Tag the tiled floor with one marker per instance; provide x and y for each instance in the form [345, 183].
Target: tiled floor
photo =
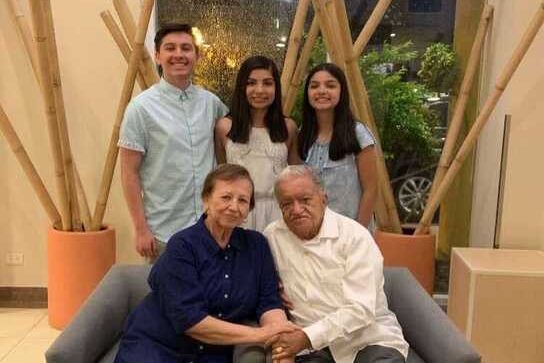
[25, 335]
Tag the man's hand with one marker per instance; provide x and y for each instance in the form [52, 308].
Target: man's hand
[286, 345]
[146, 244]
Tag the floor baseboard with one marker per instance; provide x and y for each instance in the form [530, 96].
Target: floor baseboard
[23, 297]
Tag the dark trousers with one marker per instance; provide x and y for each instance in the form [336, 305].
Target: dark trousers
[370, 354]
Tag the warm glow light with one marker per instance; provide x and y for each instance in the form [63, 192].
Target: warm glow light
[392, 35]
[230, 62]
[280, 45]
[199, 39]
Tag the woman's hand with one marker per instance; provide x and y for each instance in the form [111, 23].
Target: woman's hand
[269, 331]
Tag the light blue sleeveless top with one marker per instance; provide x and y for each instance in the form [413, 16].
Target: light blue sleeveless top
[340, 177]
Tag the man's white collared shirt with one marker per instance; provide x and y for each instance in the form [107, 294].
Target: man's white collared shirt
[335, 282]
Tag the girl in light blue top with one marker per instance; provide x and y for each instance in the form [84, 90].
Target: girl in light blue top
[339, 149]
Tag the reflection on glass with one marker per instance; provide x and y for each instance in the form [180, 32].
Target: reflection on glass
[231, 31]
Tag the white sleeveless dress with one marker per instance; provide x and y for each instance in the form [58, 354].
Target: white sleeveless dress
[264, 160]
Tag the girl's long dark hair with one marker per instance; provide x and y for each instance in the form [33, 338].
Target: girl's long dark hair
[240, 108]
[343, 140]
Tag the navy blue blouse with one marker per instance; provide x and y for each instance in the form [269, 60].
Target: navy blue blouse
[193, 279]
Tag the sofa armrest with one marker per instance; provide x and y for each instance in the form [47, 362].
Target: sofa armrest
[99, 322]
[426, 327]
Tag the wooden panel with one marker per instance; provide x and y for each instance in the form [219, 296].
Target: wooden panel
[508, 319]
[458, 301]
[496, 298]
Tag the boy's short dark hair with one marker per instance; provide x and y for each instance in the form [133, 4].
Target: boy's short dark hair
[173, 28]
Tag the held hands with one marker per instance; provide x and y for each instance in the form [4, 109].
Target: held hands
[268, 331]
[287, 344]
[145, 243]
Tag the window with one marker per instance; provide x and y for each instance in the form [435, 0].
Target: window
[425, 6]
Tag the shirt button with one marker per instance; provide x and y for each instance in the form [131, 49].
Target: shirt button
[200, 347]
[226, 276]
[226, 296]
[226, 257]
[219, 315]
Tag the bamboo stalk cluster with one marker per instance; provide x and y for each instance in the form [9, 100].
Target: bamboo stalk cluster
[73, 213]
[330, 19]
[449, 166]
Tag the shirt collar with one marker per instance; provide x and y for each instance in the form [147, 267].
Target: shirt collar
[236, 238]
[328, 228]
[176, 92]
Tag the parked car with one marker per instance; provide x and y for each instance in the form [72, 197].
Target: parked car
[410, 178]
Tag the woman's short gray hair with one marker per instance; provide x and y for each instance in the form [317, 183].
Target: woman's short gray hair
[296, 171]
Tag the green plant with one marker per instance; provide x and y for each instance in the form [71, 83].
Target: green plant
[438, 68]
[404, 122]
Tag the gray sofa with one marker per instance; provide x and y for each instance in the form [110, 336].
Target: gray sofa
[93, 334]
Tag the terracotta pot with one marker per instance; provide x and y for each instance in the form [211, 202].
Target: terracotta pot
[77, 261]
[413, 252]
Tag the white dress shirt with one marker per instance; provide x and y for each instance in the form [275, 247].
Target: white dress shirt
[335, 282]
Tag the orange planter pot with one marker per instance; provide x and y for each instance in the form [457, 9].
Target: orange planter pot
[413, 252]
[77, 261]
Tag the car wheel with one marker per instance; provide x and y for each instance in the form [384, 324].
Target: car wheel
[413, 193]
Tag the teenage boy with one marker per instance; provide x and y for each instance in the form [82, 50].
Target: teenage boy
[166, 144]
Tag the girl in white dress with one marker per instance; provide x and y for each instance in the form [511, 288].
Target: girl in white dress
[257, 136]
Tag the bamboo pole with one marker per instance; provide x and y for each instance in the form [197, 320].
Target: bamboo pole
[295, 39]
[370, 27]
[387, 216]
[83, 202]
[128, 85]
[472, 137]
[54, 70]
[26, 34]
[40, 27]
[332, 43]
[129, 26]
[298, 74]
[122, 43]
[460, 106]
[30, 171]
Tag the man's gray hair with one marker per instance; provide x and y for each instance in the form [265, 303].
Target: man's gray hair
[296, 171]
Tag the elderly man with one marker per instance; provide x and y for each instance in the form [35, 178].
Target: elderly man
[332, 272]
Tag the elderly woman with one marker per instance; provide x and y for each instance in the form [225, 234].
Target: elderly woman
[213, 276]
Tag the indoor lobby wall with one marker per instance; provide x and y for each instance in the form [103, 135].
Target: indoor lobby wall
[92, 71]
[521, 222]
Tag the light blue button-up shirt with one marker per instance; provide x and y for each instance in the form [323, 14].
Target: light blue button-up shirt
[173, 128]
